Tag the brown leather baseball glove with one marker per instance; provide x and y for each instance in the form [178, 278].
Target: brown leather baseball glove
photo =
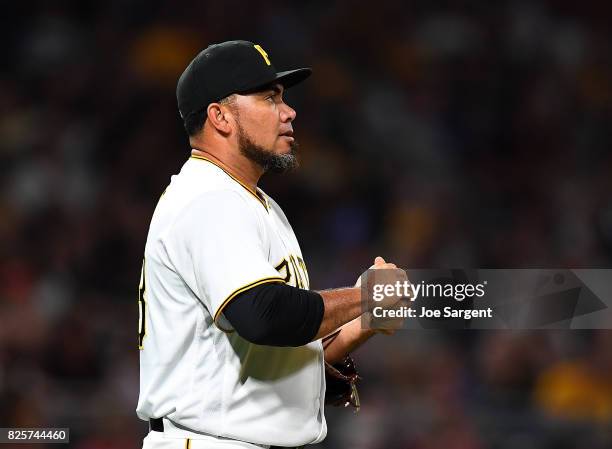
[341, 384]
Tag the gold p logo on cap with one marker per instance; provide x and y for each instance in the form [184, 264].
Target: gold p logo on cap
[263, 53]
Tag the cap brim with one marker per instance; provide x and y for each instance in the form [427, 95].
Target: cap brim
[292, 77]
[287, 79]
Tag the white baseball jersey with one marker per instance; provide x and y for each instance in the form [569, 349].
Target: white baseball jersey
[211, 238]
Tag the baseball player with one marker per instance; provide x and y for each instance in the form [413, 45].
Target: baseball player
[233, 344]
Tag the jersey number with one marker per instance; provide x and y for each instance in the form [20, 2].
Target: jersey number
[142, 306]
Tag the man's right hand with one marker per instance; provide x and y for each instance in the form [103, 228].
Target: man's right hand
[379, 264]
[390, 302]
[344, 305]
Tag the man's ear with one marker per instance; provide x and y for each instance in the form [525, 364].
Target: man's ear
[219, 117]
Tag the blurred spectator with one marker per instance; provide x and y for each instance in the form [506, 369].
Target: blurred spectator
[579, 388]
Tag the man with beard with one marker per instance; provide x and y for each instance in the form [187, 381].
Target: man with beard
[233, 343]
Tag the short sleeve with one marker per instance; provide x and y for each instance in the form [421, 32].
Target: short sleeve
[221, 250]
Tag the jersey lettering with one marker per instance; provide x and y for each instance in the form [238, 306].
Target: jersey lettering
[293, 271]
[283, 270]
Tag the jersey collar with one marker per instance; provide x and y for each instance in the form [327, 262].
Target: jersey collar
[258, 194]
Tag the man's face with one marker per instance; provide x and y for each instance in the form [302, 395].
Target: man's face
[265, 133]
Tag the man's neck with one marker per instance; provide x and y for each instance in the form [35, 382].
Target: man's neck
[238, 166]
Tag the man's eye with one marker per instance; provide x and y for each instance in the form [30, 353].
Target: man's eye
[270, 97]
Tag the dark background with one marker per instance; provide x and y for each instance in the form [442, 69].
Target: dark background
[433, 133]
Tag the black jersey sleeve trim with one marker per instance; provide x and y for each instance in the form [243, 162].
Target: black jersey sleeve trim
[240, 290]
[276, 315]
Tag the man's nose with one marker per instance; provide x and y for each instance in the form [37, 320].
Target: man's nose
[287, 113]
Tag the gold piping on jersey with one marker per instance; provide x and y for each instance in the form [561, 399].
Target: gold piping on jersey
[241, 290]
[259, 196]
[188, 443]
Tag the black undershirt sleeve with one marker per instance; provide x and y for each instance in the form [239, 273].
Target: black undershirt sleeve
[276, 315]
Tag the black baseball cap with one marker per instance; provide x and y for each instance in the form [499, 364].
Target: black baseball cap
[228, 68]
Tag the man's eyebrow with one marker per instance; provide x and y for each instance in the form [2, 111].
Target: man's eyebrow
[272, 89]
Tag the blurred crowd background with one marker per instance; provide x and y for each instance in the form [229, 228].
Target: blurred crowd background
[434, 133]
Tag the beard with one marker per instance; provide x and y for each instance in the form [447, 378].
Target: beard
[267, 159]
